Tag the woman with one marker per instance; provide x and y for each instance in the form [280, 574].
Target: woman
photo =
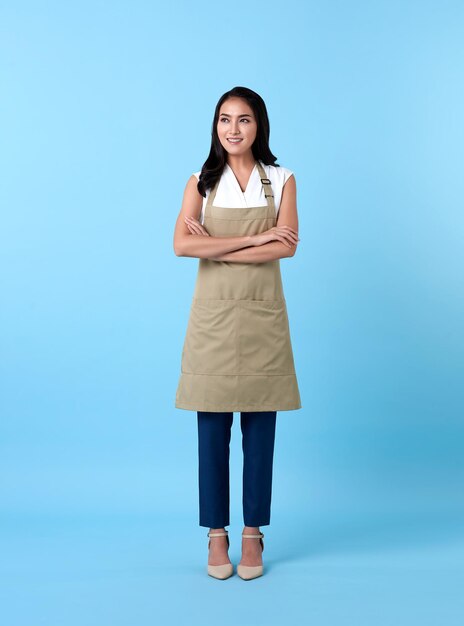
[239, 218]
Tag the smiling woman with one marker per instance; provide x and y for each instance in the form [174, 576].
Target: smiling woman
[237, 352]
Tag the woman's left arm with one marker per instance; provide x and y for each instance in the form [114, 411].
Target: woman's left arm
[288, 216]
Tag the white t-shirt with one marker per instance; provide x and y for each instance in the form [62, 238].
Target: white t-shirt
[230, 195]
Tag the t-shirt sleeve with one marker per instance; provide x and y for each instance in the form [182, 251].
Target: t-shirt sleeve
[287, 174]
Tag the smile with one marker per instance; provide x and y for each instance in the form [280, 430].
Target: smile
[234, 140]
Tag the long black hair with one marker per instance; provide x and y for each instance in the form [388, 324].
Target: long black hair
[214, 165]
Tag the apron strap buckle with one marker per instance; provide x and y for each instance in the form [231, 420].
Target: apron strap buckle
[266, 181]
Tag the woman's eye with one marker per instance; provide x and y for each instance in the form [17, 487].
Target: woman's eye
[224, 119]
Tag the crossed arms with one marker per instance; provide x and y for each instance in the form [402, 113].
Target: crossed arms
[192, 240]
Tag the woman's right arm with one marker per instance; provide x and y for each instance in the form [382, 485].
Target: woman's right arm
[201, 246]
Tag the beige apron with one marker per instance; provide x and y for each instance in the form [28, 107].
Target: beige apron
[237, 353]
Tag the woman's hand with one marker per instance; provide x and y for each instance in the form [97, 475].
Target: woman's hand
[285, 234]
[195, 227]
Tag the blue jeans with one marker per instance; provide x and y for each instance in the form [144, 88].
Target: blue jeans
[258, 436]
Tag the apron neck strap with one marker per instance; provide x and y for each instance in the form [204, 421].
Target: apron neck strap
[267, 186]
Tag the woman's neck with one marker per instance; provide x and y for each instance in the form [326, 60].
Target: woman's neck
[241, 163]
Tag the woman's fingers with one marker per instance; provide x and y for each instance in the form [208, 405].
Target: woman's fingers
[288, 240]
[195, 230]
[192, 220]
[290, 230]
[283, 240]
[293, 238]
[195, 227]
[288, 227]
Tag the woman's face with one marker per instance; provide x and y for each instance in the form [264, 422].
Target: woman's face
[236, 121]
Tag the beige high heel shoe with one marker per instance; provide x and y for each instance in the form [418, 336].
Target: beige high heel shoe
[247, 572]
[220, 571]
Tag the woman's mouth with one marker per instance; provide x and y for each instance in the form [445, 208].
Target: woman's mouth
[234, 140]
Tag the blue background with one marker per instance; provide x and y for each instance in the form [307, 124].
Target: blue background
[106, 110]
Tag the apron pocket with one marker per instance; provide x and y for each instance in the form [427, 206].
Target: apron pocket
[210, 342]
[264, 345]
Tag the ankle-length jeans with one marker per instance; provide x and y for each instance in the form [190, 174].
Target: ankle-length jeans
[258, 436]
